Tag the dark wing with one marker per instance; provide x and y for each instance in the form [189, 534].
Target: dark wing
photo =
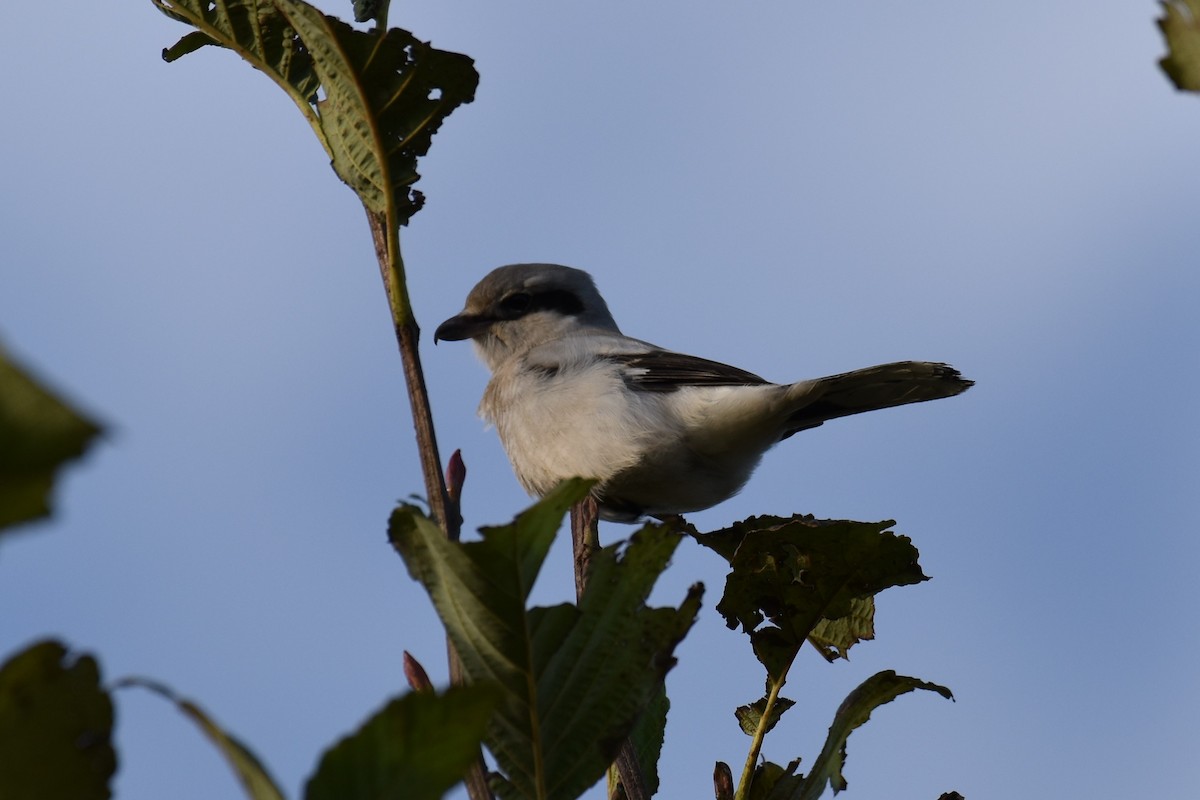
[664, 371]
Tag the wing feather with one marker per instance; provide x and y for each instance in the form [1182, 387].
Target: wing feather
[666, 371]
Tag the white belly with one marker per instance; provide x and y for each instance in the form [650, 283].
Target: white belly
[650, 455]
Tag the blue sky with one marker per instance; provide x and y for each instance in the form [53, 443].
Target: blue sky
[795, 188]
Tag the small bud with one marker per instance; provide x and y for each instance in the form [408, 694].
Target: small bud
[723, 781]
[417, 677]
[456, 475]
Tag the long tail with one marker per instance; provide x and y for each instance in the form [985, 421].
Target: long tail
[869, 389]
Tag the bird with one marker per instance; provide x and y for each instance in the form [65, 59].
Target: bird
[662, 433]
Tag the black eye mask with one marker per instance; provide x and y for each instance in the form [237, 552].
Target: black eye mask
[520, 304]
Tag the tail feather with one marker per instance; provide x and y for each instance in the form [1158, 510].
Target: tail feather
[870, 389]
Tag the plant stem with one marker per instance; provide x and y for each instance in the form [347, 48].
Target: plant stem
[585, 540]
[444, 510]
[407, 336]
[743, 789]
[381, 15]
[632, 779]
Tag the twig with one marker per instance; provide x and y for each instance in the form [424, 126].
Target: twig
[407, 336]
[444, 509]
[774, 686]
[630, 770]
[585, 540]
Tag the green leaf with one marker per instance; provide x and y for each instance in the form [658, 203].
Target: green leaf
[647, 738]
[55, 726]
[883, 687]
[574, 679]
[415, 748]
[774, 650]
[256, 31]
[833, 638]
[254, 777]
[1180, 26]
[373, 99]
[188, 44]
[799, 571]
[773, 782]
[367, 10]
[520, 547]
[385, 97]
[38, 434]
[750, 717]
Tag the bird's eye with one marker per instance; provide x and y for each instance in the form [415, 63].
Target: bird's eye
[517, 303]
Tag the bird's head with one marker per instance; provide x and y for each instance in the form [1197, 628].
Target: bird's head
[521, 306]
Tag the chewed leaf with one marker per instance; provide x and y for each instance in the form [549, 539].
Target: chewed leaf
[833, 638]
[808, 578]
[255, 30]
[374, 99]
[385, 97]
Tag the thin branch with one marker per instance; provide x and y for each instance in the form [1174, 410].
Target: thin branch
[444, 508]
[585, 540]
[407, 336]
[630, 770]
[760, 732]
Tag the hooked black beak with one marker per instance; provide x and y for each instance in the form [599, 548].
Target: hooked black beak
[464, 326]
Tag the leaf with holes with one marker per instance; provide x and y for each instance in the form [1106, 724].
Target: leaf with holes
[833, 638]
[374, 98]
[256, 31]
[385, 97]
[800, 575]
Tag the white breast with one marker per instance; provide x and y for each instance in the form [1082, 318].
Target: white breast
[572, 419]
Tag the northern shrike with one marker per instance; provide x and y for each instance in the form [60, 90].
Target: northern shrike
[662, 432]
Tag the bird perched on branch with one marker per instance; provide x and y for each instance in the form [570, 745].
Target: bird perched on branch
[662, 432]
